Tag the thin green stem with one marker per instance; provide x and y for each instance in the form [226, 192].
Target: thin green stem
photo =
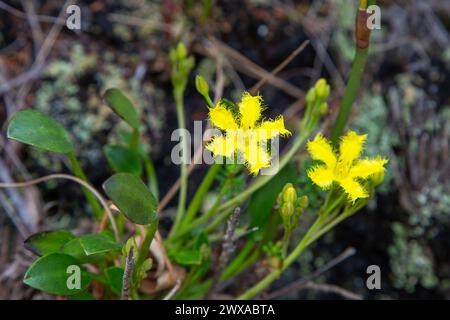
[209, 214]
[151, 176]
[286, 237]
[196, 202]
[265, 282]
[350, 93]
[134, 141]
[232, 268]
[78, 172]
[142, 254]
[314, 232]
[220, 219]
[178, 94]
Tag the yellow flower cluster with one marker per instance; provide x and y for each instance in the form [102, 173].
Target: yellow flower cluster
[246, 133]
[346, 170]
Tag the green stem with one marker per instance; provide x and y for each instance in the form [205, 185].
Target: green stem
[142, 254]
[210, 213]
[151, 176]
[178, 94]
[350, 93]
[265, 282]
[347, 213]
[134, 141]
[286, 237]
[220, 219]
[199, 194]
[78, 172]
[238, 261]
[309, 238]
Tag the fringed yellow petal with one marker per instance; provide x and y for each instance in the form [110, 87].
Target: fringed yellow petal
[256, 157]
[222, 118]
[250, 110]
[272, 128]
[322, 176]
[222, 146]
[320, 149]
[353, 188]
[351, 146]
[367, 167]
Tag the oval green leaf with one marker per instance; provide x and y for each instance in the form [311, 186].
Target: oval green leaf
[39, 130]
[132, 197]
[98, 243]
[47, 242]
[122, 106]
[122, 159]
[54, 274]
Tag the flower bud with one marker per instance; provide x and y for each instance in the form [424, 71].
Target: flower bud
[377, 178]
[287, 209]
[201, 85]
[323, 108]
[322, 89]
[181, 51]
[310, 96]
[303, 202]
[289, 194]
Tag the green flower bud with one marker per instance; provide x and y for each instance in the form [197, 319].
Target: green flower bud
[323, 108]
[287, 209]
[173, 56]
[303, 202]
[377, 178]
[201, 85]
[322, 89]
[181, 51]
[310, 96]
[289, 194]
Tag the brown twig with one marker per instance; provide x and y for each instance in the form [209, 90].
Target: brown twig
[33, 21]
[247, 66]
[126, 280]
[22, 15]
[330, 288]
[44, 51]
[227, 249]
[280, 67]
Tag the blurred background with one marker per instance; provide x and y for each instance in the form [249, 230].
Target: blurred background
[403, 106]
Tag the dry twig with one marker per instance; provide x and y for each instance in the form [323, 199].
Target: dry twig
[126, 281]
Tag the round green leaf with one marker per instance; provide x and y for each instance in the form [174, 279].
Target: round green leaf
[122, 159]
[51, 274]
[47, 242]
[122, 106]
[132, 197]
[39, 130]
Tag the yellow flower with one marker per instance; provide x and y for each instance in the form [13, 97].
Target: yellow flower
[346, 170]
[246, 134]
